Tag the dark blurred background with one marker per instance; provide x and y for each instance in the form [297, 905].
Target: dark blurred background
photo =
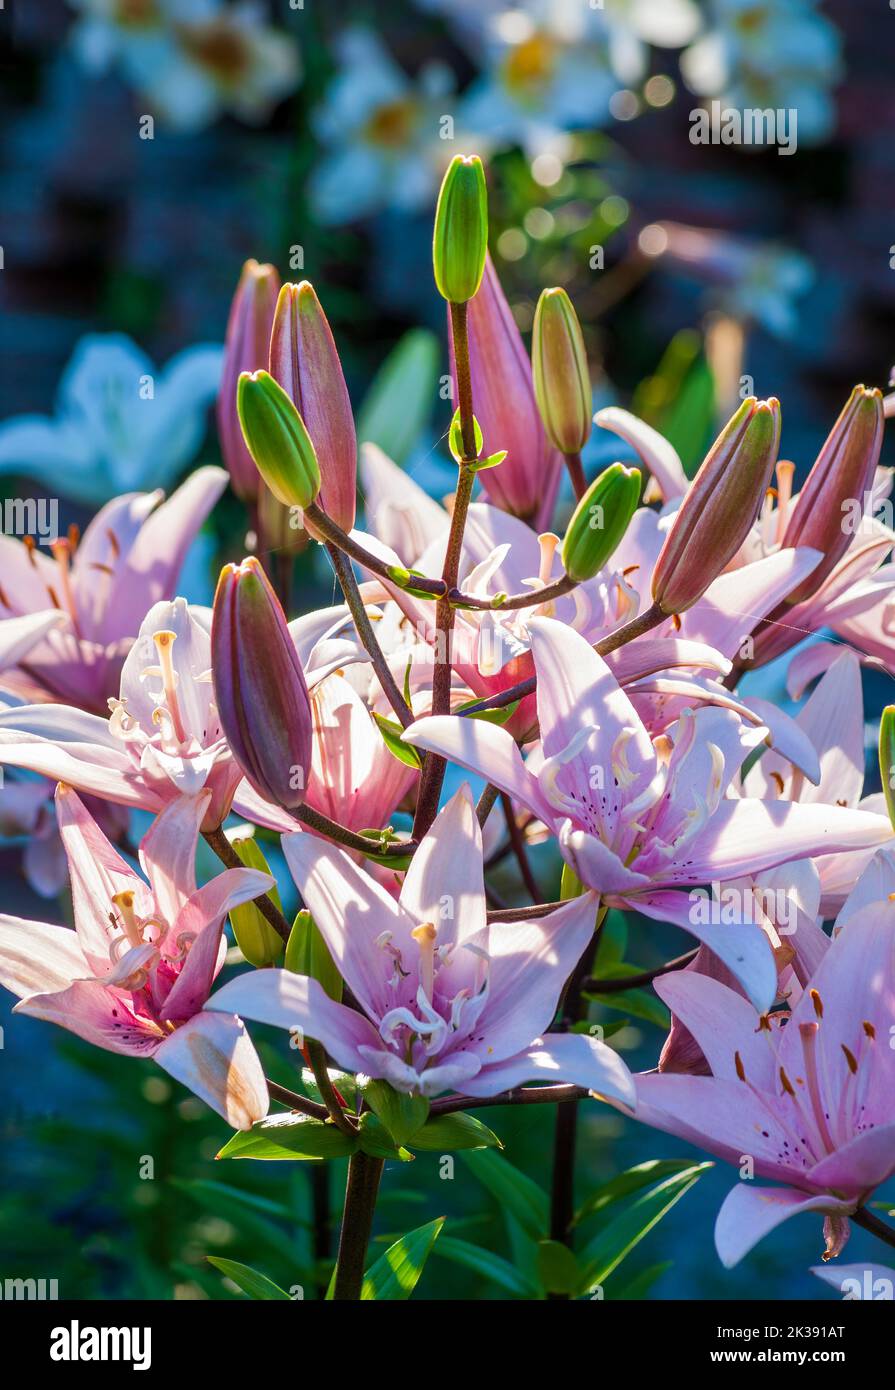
[148, 148]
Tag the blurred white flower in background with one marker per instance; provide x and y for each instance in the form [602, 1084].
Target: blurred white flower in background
[191, 59]
[120, 425]
[381, 132]
[780, 53]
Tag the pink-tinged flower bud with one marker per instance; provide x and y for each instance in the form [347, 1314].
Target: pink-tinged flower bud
[245, 350]
[259, 686]
[837, 487]
[561, 377]
[304, 360]
[721, 504]
[503, 399]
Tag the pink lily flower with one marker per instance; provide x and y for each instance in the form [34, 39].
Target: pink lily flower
[92, 595]
[807, 1095]
[134, 975]
[163, 740]
[638, 821]
[503, 398]
[398, 511]
[447, 1002]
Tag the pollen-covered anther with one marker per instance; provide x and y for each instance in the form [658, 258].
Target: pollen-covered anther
[817, 1002]
[786, 1083]
[869, 1029]
[124, 902]
[850, 1058]
[164, 644]
[740, 1069]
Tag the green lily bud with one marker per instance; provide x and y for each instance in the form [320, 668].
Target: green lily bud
[460, 243]
[721, 504]
[255, 937]
[308, 954]
[561, 378]
[600, 520]
[887, 758]
[276, 437]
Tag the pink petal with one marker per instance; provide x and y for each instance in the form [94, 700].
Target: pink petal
[482, 748]
[213, 1055]
[304, 1008]
[658, 454]
[749, 1213]
[36, 957]
[168, 852]
[723, 1024]
[351, 910]
[446, 874]
[98, 1014]
[574, 1058]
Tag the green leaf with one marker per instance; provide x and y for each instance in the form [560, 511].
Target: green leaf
[491, 461]
[486, 1263]
[514, 1192]
[632, 1180]
[606, 1251]
[557, 1267]
[376, 1140]
[256, 1285]
[455, 438]
[258, 1218]
[391, 737]
[638, 1002]
[308, 954]
[396, 1274]
[444, 1133]
[640, 1286]
[491, 716]
[289, 1136]
[402, 1115]
[344, 1082]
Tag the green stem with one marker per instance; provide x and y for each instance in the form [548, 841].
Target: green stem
[357, 608]
[322, 825]
[576, 473]
[317, 1059]
[432, 775]
[865, 1218]
[333, 533]
[296, 1102]
[265, 904]
[361, 1189]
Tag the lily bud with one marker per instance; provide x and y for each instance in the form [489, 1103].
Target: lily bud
[887, 758]
[561, 377]
[255, 937]
[720, 506]
[277, 439]
[838, 483]
[503, 396]
[600, 520]
[460, 242]
[245, 350]
[304, 360]
[259, 687]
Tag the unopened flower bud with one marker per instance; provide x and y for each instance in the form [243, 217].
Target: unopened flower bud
[600, 520]
[838, 485]
[245, 350]
[561, 377]
[277, 439]
[721, 504]
[304, 360]
[255, 937]
[887, 758]
[460, 242]
[259, 686]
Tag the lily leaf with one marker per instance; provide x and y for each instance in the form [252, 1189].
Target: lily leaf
[396, 1274]
[443, 1133]
[616, 1241]
[486, 1263]
[255, 1284]
[289, 1136]
[515, 1192]
[390, 730]
[402, 1115]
